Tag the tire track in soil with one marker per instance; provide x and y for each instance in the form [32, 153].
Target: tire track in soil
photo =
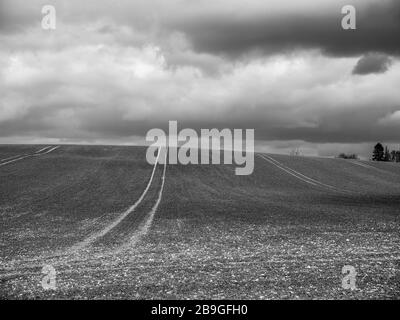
[146, 224]
[301, 176]
[62, 256]
[13, 157]
[128, 220]
[40, 152]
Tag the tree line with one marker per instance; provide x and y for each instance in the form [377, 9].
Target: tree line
[381, 153]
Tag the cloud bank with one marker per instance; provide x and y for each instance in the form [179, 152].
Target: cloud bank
[112, 71]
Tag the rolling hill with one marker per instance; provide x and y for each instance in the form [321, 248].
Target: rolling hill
[114, 226]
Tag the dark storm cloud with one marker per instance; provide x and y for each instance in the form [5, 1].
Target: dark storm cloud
[15, 16]
[378, 30]
[372, 63]
[113, 70]
[354, 131]
[231, 28]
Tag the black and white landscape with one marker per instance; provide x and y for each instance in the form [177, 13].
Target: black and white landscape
[84, 214]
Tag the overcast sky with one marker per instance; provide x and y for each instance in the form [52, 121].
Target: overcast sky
[114, 69]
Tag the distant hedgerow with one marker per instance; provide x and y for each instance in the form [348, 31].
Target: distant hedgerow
[348, 156]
